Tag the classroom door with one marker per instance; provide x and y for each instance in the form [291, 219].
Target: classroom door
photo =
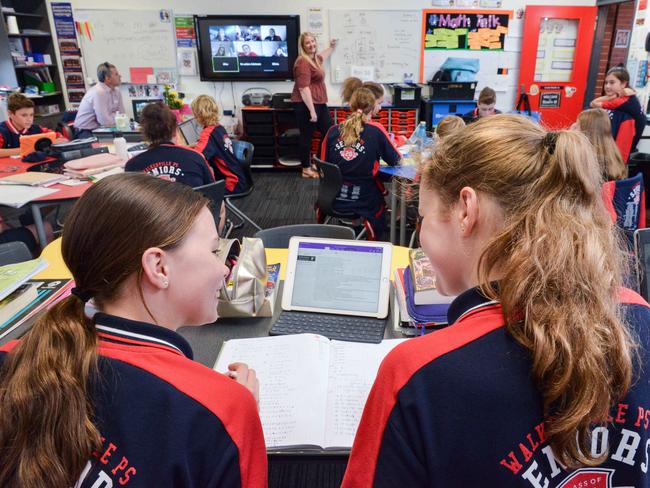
[555, 60]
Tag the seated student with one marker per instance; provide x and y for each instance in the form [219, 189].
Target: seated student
[165, 159]
[545, 368]
[114, 397]
[485, 106]
[215, 144]
[627, 117]
[595, 124]
[448, 125]
[356, 146]
[350, 85]
[20, 123]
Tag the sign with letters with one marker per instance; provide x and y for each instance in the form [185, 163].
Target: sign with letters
[473, 30]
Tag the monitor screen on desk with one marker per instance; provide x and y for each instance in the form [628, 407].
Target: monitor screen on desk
[247, 47]
[139, 105]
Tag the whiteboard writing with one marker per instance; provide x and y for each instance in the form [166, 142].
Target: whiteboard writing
[127, 39]
[388, 40]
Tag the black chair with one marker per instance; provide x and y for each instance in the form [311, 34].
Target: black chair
[244, 153]
[14, 252]
[215, 192]
[329, 186]
[278, 237]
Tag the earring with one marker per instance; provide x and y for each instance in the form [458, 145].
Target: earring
[462, 227]
[165, 283]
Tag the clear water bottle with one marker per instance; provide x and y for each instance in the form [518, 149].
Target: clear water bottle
[119, 143]
[419, 136]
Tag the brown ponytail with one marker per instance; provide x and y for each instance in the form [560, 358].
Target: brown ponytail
[560, 265]
[362, 104]
[47, 428]
[350, 85]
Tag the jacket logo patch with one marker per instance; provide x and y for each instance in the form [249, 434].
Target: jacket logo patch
[349, 153]
[589, 478]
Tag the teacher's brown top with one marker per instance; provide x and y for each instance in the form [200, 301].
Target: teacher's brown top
[308, 76]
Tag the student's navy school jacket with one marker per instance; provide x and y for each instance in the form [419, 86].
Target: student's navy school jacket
[628, 123]
[10, 136]
[215, 144]
[165, 420]
[361, 193]
[174, 163]
[458, 408]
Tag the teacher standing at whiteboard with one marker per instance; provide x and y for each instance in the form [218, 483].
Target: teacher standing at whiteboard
[100, 104]
[310, 96]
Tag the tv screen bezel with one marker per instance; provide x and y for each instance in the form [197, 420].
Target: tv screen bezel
[245, 20]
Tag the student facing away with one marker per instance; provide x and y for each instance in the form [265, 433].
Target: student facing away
[164, 159]
[115, 399]
[542, 377]
[356, 146]
[215, 144]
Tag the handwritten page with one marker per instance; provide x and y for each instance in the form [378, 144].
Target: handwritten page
[352, 371]
[292, 371]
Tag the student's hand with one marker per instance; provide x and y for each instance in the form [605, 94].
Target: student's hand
[241, 373]
[313, 117]
[333, 43]
[627, 92]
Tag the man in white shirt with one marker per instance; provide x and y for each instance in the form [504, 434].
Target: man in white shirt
[100, 104]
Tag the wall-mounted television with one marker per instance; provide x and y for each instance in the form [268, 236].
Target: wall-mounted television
[247, 47]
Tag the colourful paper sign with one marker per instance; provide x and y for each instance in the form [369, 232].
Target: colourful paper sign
[465, 29]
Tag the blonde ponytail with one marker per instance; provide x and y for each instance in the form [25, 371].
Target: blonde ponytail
[560, 266]
[362, 104]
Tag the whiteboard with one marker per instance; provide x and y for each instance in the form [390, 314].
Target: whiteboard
[387, 40]
[128, 39]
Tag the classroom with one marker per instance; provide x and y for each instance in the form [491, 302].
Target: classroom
[324, 244]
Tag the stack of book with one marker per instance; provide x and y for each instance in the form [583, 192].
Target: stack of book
[22, 297]
[417, 299]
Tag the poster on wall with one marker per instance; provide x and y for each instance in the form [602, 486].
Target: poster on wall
[473, 30]
[66, 34]
[185, 33]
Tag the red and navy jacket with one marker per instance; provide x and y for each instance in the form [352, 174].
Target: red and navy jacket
[215, 144]
[361, 192]
[473, 115]
[174, 163]
[628, 123]
[10, 136]
[165, 420]
[459, 408]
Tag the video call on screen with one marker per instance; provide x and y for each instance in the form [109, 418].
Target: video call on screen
[241, 48]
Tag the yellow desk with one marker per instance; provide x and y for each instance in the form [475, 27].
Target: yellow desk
[58, 270]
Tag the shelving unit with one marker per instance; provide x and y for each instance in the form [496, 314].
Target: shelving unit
[31, 14]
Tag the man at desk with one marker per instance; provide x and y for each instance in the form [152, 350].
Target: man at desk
[100, 104]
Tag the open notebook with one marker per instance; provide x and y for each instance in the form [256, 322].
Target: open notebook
[312, 390]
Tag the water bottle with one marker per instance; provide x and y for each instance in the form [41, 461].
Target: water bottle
[119, 143]
[419, 136]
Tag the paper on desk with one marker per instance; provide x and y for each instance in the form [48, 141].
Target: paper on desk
[18, 195]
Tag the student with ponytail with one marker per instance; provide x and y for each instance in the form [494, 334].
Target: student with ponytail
[595, 124]
[542, 377]
[356, 146]
[115, 398]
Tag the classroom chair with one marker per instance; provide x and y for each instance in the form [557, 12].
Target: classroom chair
[625, 202]
[14, 252]
[214, 192]
[329, 186]
[244, 154]
[278, 237]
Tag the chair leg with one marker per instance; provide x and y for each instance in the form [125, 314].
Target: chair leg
[240, 214]
[228, 228]
[361, 234]
[413, 236]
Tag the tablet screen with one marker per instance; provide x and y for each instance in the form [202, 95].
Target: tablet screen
[338, 277]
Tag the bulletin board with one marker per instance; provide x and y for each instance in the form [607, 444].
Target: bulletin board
[140, 43]
[465, 29]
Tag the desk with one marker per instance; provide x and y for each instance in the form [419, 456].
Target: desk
[286, 470]
[64, 193]
[405, 172]
[108, 133]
